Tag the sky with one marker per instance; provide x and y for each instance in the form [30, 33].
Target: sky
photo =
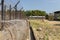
[46, 5]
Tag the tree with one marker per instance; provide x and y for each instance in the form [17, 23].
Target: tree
[35, 13]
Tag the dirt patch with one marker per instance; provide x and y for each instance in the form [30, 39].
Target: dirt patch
[15, 30]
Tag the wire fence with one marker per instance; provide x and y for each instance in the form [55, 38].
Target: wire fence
[10, 14]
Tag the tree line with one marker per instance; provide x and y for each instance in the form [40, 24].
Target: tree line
[35, 13]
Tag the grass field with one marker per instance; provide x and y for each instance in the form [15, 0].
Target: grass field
[40, 23]
[48, 30]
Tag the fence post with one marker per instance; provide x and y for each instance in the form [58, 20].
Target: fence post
[15, 12]
[2, 13]
[10, 12]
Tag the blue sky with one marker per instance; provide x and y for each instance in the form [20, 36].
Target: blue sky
[45, 5]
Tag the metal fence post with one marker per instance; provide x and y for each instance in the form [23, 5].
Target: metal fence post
[2, 13]
[10, 12]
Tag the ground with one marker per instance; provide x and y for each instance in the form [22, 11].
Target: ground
[14, 30]
[43, 30]
[46, 30]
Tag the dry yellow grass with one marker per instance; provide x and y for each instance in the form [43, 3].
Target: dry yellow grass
[50, 29]
[1, 34]
[39, 23]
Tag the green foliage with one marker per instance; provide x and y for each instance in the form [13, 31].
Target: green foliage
[35, 13]
[28, 13]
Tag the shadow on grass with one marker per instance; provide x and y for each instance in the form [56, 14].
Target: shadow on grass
[56, 24]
